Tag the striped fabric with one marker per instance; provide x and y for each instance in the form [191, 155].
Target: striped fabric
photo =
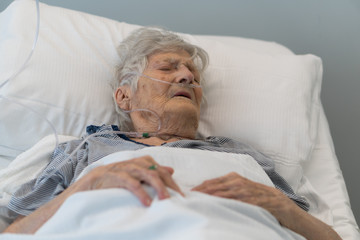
[59, 174]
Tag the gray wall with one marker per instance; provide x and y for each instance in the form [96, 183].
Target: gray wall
[327, 28]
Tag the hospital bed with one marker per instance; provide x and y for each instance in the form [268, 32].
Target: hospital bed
[257, 92]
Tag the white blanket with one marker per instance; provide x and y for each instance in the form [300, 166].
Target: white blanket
[24, 168]
[117, 214]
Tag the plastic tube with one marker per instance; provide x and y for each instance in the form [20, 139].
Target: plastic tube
[22, 67]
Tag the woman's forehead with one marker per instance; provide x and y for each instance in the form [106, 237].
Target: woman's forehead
[170, 56]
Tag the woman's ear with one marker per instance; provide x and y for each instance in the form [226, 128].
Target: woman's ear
[122, 97]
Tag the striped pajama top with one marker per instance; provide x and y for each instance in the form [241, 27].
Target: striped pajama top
[59, 174]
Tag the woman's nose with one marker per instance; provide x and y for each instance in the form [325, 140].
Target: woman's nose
[184, 75]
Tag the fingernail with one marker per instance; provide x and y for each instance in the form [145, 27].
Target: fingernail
[164, 195]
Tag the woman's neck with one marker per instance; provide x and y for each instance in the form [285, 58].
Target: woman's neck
[158, 140]
[171, 125]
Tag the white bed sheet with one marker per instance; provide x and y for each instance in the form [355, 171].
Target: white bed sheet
[323, 172]
[117, 214]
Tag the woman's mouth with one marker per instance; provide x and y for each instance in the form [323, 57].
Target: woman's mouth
[182, 94]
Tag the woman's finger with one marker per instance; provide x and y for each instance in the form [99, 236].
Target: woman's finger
[163, 172]
[210, 185]
[134, 186]
[169, 169]
[132, 173]
[153, 179]
[101, 178]
[149, 175]
[168, 180]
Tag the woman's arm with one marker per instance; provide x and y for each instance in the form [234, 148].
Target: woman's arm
[279, 205]
[129, 175]
[30, 224]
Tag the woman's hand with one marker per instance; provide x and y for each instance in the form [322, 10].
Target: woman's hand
[131, 175]
[236, 187]
[278, 204]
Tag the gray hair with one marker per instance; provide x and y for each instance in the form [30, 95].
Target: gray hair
[134, 52]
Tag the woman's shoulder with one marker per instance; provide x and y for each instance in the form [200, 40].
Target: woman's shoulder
[91, 132]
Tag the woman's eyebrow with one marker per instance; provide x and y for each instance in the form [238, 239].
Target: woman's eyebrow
[166, 60]
[189, 63]
[170, 60]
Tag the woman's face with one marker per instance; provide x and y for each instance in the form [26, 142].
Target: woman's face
[172, 103]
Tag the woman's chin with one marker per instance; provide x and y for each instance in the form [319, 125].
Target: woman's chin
[184, 109]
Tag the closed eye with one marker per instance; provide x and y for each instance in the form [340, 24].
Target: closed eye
[166, 67]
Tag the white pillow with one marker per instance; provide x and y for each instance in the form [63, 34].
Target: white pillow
[257, 91]
[67, 78]
[271, 102]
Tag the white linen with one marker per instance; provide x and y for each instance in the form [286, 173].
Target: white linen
[117, 213]
[29, 164]
[193, 166]
[324, 178]
[5, 161]
[24, 168]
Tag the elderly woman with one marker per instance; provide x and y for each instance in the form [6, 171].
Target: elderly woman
[158, 97]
